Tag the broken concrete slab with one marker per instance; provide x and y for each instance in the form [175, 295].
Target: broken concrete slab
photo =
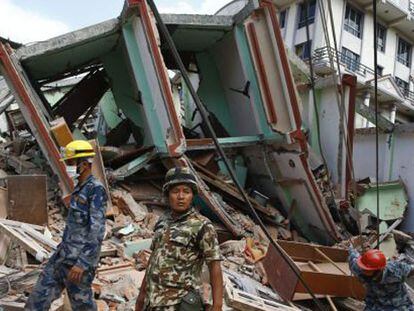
[125, 202]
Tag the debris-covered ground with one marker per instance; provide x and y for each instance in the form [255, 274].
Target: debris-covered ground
[117, 85]
[135, 208]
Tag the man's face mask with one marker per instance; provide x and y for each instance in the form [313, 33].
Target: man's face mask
[72, 171]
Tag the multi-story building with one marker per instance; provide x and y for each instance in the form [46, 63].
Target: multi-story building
[353, 26]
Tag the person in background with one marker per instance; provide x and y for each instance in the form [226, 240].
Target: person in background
[384, 281]
[73, 264]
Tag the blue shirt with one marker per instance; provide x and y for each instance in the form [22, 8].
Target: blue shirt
[389, 292]
[85, 226]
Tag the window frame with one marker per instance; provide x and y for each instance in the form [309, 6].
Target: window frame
[357, 32]
[284, 12]
[349, 62]
[380, 70]
[402, 60]
[312, 15]
[403, 85]
[307, 45]
[381, 27]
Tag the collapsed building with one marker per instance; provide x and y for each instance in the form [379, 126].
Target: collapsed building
[117, 83]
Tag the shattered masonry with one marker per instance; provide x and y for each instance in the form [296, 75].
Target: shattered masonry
[115, 84]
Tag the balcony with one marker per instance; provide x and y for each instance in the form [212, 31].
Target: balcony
[322, 66]
[321, 58]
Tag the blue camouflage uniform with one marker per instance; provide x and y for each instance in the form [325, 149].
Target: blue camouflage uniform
[80, 246]
[390, 292]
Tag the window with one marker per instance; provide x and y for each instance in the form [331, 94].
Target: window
[303, 50]
[350, 59]
[353, 21]
[404, 52]
[303, 14]
[282, 19]
[380, 69]
[404, 86]
[381, 37]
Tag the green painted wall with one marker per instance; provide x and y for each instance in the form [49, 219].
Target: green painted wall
[110, 110]
[314, 137]
[124, 93]
[248, 64]
[138, 70]
[211, 92]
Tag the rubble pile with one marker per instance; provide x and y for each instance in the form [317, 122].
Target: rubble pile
[136, 205]
[134, 210]
[117, 85]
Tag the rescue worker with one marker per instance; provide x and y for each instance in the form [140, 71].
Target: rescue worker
[384, 282]
[183, 241]
[73, 264]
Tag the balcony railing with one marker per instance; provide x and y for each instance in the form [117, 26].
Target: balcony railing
[409, 95]
[321, 56]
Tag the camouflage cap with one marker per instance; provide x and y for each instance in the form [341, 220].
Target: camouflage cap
[180, 175]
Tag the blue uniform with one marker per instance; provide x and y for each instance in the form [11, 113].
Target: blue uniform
[390, 292]
[80, 246]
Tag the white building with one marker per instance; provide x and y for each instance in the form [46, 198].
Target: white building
[353, 24]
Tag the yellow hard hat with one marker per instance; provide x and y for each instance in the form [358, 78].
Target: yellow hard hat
[77, 149]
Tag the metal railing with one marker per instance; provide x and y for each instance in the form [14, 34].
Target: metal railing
[321, 57]
[409, 95]
[411, 7]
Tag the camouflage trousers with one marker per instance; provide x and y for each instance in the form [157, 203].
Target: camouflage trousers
[51, 283]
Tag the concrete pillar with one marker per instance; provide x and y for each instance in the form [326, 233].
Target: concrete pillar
[367, 99]
[393, 113]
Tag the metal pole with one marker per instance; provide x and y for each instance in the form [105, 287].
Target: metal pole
[220, 150]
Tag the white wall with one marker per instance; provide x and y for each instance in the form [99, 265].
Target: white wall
[364, 47]
[329, 129]
[402, 164]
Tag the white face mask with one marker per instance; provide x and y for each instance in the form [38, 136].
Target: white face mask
[72, 171]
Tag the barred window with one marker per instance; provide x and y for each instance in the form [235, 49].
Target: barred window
[310, 14]
[350, 59]
[353, 21]
[404, 52]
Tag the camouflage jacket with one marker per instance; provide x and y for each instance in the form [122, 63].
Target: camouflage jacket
[390, 292]
[85, 226]
[180, 247]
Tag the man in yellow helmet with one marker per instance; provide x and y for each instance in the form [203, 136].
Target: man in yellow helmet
[73, 264]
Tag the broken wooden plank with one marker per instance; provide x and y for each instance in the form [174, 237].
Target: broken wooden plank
[330, 260]
[241, 300]
[14, 223]
[3, 202]
[135, 165]
[32, 247]
[11, 306]
[328, 298]
[61, 132]
[98, 170]
[40, 237]
[5, 243]
[213, 180]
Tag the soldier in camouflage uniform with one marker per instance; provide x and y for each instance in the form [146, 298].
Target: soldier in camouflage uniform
[385, 282]
[73, 264]
[183, 241]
